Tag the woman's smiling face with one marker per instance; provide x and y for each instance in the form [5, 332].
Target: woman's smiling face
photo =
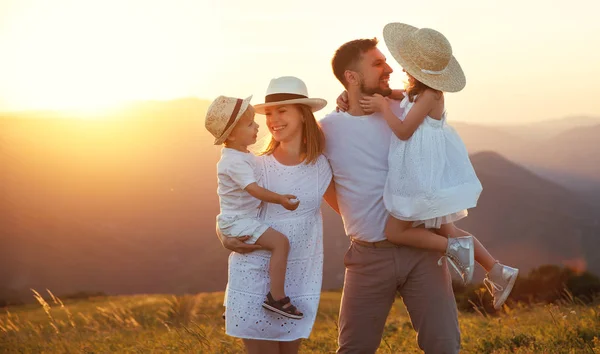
[284, 122]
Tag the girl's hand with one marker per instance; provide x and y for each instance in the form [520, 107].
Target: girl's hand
[375, 103]
[290, 202]
[342, 102]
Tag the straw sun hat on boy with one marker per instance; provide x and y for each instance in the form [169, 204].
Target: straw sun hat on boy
[288, 90]
[222, 115]
[426, 55]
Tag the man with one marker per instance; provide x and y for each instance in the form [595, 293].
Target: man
[357, 145]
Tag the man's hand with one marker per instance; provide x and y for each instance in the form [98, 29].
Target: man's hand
[236, 244]
[375, 103]
[290, 202]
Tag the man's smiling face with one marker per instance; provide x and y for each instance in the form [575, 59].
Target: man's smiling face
[374, 73]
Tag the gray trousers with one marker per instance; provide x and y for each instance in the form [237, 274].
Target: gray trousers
[373, 276]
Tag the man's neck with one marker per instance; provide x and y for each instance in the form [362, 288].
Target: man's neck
[354, 98]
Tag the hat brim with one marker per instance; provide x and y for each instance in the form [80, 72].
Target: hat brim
[245, 103]
[315, 104]
[395, 35]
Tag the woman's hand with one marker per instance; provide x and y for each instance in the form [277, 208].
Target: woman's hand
[290, 202]
[375, 103]
[342, 102]
[236, 244]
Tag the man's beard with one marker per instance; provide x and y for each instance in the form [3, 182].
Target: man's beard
[370, 91]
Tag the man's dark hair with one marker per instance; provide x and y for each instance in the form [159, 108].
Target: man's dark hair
[348, 55]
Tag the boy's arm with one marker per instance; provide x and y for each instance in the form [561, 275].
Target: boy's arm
[263, 194]
[288, 201]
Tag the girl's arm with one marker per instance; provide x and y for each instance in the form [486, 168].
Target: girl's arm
[266, 195]
[342, 100]
[403, 129]
[397, 95]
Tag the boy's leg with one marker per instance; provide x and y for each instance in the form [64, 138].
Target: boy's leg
[278, 244]
[369, 292]
[401, 232]
[427, 294]
[482, 256]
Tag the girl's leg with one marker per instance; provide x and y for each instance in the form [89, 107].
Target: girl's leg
[289, 347]
[279, 246]
[403, 233]
[482, 256]
[254, 346]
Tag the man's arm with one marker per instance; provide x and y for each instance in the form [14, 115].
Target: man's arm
[236, 244]
[331, 198]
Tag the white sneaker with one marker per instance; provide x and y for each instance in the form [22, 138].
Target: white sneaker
[499, 282]
[460, 255]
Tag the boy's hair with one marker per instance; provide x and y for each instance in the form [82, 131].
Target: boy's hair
[313, 138]
[347, 56]
[249, 112]
[416, 88]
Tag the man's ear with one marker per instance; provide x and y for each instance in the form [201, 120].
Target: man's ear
[351, 77]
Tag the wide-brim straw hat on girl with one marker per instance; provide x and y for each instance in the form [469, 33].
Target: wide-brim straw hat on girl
[426, 55]
[222, 116]
[288, 90]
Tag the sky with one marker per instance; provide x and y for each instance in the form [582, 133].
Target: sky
[525, 61]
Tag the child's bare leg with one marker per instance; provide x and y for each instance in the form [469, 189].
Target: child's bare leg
[482, 256]
[279, 246]
[403, 233]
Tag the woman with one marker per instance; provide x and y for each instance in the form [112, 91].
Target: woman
[292, 163]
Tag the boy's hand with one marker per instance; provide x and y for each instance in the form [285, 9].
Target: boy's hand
[290, 202]
[375, 103]
[342, 102]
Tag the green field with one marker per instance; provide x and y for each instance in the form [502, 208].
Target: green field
[193, 324]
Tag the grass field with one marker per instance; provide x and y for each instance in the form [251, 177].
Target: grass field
[193, 324]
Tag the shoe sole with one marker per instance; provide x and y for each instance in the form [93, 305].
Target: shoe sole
[282, 313]
[507, 291]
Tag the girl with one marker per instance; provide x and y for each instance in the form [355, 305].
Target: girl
[431, 182]
[291, 162]
[231, 121]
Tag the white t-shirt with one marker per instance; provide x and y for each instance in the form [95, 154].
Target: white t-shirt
[357, 148]
[235, 171]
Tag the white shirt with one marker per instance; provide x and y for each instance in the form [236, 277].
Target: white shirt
[235, 171]
[357, 148]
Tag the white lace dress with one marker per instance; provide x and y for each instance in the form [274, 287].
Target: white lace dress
[249, 273]
[431, 180]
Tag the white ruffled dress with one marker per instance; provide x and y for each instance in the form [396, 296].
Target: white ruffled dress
[431, 180]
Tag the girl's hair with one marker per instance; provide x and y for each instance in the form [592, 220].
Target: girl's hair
[313, 139]
[417, 87]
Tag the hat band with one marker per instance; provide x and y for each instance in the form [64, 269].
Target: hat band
[236, 109]
[279, 97]
[433, 72]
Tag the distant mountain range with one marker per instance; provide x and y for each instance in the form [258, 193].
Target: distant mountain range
[128, 204]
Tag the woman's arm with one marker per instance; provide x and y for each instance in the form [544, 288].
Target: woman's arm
[236, 244]
[331, 198]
